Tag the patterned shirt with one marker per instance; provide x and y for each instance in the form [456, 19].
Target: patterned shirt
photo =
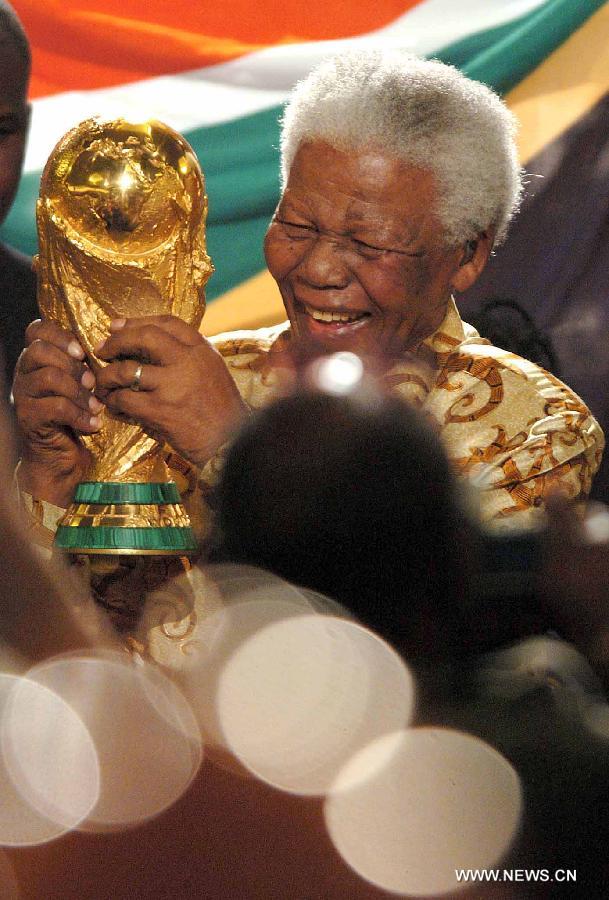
[511, 426]
[507, 424]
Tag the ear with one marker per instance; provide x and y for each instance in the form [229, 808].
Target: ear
[475, 257]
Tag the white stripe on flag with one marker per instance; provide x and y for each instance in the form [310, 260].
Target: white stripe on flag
[261, 80]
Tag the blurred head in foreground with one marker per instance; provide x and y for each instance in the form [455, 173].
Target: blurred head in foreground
[351, 496]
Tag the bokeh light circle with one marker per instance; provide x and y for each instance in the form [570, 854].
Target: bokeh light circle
[413, 807]
[238, 583]
[49, 771]
[299, 697]
[147, 739]
[338, 373]
[250, 606]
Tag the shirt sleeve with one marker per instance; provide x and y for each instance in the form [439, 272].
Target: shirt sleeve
[516, 432]
[41, 519]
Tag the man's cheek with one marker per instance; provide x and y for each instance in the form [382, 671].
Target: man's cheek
[391, 288]
[278, 256]
[417, 278]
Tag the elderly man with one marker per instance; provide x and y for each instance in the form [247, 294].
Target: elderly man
[400, 176]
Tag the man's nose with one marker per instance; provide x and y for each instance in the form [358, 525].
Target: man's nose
[323, 266]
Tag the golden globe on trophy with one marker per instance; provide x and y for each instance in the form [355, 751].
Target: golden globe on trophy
[121, 229]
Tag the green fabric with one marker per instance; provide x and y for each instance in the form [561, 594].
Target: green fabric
[19, 228]
[83, 538]
[118, 492]
[240, 158]
[502, 57]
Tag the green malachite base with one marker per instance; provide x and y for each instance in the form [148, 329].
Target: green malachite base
[126, 492]
[86, 539]
[162, 540]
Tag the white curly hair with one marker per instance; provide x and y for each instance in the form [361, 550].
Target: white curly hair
[424, 112]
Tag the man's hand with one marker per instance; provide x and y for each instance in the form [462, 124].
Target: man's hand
[54, 406]
[183, 392]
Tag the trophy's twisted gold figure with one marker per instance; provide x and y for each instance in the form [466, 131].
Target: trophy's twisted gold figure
[121, 225]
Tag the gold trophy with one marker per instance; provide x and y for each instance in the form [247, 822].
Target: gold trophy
[121, 228]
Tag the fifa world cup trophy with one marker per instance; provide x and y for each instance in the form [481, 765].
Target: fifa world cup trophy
[121, 226]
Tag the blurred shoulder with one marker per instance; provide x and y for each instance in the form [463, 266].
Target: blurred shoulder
[504, 416]
[257, 342]
[249, 357]
[513, 375]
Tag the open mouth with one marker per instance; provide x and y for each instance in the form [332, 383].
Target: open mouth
[334, 316]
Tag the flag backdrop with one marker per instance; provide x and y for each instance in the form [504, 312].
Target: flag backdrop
[219, 73]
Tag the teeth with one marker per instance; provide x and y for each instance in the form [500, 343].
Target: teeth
[324, 315]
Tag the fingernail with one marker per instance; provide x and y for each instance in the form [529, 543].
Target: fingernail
[94, 405]
[117, 324]
[95, 421]
[88, 379]
[75, 350]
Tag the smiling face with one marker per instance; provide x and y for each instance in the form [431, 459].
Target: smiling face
[14, 117]
[358, 253]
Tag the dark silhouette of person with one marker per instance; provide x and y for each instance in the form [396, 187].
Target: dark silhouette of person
[507, 324]
[353, 497]
[18, 305]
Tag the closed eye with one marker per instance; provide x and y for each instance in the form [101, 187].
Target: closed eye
[364, 246]
[371, 250]
[296, 229]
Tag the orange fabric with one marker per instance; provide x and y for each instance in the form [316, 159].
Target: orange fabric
[85, 44]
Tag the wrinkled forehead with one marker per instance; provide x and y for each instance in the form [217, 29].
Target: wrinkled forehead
[366, 178]
[369, 163]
